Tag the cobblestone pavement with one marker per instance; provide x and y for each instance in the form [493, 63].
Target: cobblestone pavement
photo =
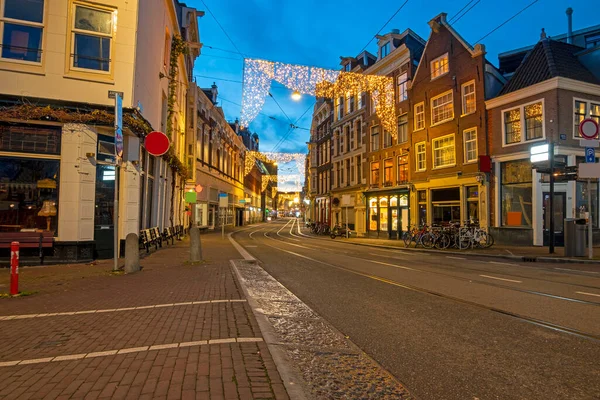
[173, 330]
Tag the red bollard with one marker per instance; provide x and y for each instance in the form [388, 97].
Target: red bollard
[14, 268]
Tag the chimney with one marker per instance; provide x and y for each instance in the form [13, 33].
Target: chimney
[570, 25]
[543, 34]
[237, 125]
[215, 92]
[395, 31]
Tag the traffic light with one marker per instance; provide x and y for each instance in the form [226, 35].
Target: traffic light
[566, 174]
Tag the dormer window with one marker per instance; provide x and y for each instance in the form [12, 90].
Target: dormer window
[385, 50]
[439, 66]
[348, 67]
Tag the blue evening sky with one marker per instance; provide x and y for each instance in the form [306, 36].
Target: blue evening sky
[317, 32]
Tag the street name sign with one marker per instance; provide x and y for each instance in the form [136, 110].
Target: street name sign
[589, 171]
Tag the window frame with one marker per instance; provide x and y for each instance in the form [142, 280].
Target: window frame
[72, 31]
[588, 113]
[40, 25]
[433, 149]
[465, 142]
[419, 153]
[416, 113]
[521, 108]
[405, 168]
[464, 103]
[388, 165]
[388, 140]
[378, 138]
[402, 120]
[402, 86]
[375, 171]
[439, 96]
[445, 55]
[383, 46]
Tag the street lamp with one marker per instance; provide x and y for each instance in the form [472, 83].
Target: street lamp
[296, 96]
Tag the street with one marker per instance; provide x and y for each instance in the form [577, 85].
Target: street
[446, 326]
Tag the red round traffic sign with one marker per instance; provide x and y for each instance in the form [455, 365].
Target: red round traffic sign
[157, 143]
[588, 128]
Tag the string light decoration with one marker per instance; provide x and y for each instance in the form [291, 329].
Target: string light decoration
[271, 158]
[318, 82]
[266, 179]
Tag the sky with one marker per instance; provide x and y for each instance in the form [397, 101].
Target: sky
[318, 32]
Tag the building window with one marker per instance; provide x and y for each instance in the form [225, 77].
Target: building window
[349, 103]
[443, 152]
[167, 51]
[402, 169]
[473, 203]
[401, 82]
[358, 170]
[388, 172]
[347, 171]
[348, 67]
[592, 41]
[422, 201]
[403, 128]
[92, 34]
[468, 98]
[442, 108]
[439, 66]
[445, 204]
[421, 156]
[375, 138]
[387, 139]
[419, 116]
[30, 139]
[516, 193]
[21, 26]
[583, 110]
[339, 105]
[362, 99]
[470, 141]
[385, 49]
[529, 117]
[375, 173]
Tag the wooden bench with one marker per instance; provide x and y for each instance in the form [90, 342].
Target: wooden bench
[28, 240]
[150, 237]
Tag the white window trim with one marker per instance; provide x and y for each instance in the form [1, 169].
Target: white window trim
[433, 141]
[431, 108]
[402, 83]
[521, 108]
[73, 31]
[465, 146]
[431, 66]
[588, 112]
[41, 25]
[424, 152]
[462, 96]
[415, 113]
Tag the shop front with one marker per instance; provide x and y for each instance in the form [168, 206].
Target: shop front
[387, 213]
[322, 209]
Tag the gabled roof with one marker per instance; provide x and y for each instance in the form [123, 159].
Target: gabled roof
[549, 59]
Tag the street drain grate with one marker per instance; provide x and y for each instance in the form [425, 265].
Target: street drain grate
[529, 259]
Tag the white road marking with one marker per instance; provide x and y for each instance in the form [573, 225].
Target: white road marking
[392, 265]
[250, 246]
[71, 357]
[589, 294]
[455, 258]
[576, 270]
[240, 249]
[500, 279]
[502, 263]
[28, 316]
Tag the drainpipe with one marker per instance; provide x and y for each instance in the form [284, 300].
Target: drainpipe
[570, 25]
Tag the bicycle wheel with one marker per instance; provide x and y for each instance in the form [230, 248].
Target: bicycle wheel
[406, 237]
[442, 242]
[489, 241]
[427, 240]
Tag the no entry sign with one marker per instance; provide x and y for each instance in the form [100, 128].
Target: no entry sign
[588, 129]
[157, 143]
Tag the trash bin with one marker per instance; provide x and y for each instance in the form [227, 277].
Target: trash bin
[575, 237]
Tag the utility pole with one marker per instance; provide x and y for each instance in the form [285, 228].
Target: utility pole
[551, 233]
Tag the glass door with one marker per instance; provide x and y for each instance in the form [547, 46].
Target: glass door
[560, 205]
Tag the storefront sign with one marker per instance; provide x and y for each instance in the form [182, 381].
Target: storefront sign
[190, 197]
[539, 153]
[119, 125]
[223, 200]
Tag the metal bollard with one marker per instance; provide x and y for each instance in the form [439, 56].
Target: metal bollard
[14, 268]
[195, 245]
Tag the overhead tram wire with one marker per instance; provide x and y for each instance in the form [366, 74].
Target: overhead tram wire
[465, 13]
[459, 11]
[266, 115]
[507, 21]
[285, 136]
[223, 29]
[384, 25]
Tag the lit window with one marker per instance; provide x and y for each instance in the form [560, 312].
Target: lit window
[527, 119]
[442, 108]
[439, 66]
[21, 26]
[375, 138]
[92, 38]
[581, 112]
[419, 116]
[403, 128]
[375, 173]
[468, 98]
[388, 172]
[421, 156]
[443, 152]
[470, 139]
[402, 169]
[385, 49]
[401, 82]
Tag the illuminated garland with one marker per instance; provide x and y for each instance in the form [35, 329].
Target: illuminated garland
[266, 179]
[318, 82]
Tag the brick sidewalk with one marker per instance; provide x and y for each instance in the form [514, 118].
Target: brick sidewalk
[172, 331]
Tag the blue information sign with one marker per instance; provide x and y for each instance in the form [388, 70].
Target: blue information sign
[590, 155]
[119, 125]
